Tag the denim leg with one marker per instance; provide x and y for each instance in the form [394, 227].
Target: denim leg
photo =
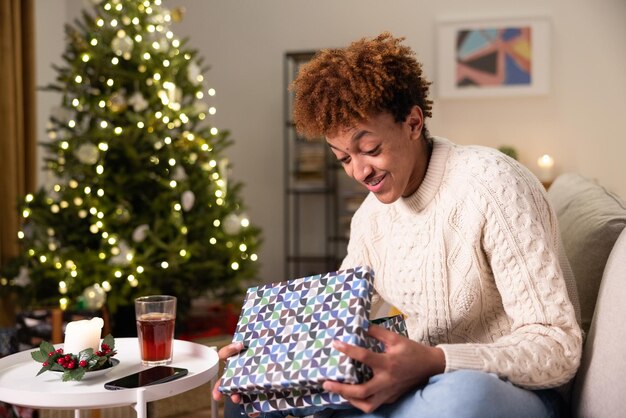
[460, 394]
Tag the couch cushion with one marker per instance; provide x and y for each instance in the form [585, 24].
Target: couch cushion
[600, 386]
[590, 219]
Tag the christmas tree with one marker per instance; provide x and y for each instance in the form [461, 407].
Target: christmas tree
[141, 202]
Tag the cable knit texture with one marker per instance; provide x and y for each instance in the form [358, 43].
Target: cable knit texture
[471, 259]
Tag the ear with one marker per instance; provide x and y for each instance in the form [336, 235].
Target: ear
[415, 120]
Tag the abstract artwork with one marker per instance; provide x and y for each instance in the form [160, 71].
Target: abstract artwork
[493, 58]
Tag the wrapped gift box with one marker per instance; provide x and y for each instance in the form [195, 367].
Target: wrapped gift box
[288, 329]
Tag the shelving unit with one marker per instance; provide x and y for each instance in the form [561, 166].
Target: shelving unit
[319, 198]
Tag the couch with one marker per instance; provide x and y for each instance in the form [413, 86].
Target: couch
[592, 220]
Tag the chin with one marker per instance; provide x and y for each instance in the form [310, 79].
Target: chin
[386, 198]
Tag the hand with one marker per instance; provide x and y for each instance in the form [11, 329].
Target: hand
[224, 353]
[405, 364]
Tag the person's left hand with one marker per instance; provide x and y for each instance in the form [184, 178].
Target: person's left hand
[404, 365]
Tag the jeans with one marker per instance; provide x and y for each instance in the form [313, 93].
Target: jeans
[459, 394]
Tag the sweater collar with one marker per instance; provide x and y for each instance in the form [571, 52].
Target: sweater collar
[432, 181]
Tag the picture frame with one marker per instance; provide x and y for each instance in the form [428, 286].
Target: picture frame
[493, 57]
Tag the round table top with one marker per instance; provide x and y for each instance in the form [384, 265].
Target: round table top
[20, 385]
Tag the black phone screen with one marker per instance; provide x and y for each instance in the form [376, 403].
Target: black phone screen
[151, 376]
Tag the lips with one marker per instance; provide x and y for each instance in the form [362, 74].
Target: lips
[374, 185]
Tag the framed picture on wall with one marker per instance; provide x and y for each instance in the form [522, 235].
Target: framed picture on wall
[493, 57]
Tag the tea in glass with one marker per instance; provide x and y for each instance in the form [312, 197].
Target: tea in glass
[156, 318]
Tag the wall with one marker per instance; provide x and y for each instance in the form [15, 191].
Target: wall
[245, 41]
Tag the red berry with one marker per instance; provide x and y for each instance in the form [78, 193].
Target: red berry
[61, 361]
[99, 353]
[44, 364]
[82, 363]
[68, 357]
[50, 354]
[59, 351]
[71, 365]
[105, 347]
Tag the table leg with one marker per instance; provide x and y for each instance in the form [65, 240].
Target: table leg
[141, 407]
[214, 403]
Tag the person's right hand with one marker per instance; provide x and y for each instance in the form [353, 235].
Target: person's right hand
[224, 353]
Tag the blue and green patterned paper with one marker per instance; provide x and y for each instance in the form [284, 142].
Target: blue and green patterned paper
[288, 329]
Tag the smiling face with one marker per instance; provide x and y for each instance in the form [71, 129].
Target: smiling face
[389, 158]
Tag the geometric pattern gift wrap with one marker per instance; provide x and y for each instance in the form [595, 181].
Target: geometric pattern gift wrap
[288, 329]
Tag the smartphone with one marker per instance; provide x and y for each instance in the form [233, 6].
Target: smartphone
[151, 376]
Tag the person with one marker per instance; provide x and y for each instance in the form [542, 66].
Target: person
[462, 239]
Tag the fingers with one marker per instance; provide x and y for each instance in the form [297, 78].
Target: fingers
[217, 395]
[359, 396]
[230, 350]
[383, 335]
[224, 353]
[357, 353]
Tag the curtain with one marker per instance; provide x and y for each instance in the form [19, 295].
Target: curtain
[17, 120]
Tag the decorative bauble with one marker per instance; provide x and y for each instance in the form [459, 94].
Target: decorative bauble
[193, 71]
[61, 114]
[232, 224]
[200, 107]
[122, 214]
[140, 233]
[178, 14]
[188, 199]
[23, 278]
[122, 46]
[117, 102]
[121, 258]
[87, 154]
[94, 297]
[138, 102]
[179, 174]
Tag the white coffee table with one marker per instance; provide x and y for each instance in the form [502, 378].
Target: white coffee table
[20, 385]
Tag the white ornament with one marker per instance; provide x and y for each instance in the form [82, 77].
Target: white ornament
[138, 102]
[87, 154]
[200, 107]
[94, 297]
[122, 46]
[61, 114]
[193, 71]
[180, 174]
[140, 233]
[188, 199]
[231, 224]
[121, 259]
[23, 278]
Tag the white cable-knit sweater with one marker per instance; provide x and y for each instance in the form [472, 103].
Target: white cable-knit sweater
[471, 259]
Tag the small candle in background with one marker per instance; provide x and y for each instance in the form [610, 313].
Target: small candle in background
[80, 335]
[546, 168]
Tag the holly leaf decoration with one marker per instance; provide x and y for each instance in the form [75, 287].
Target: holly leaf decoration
[74, 366]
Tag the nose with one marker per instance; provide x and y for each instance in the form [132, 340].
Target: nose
[361, 169]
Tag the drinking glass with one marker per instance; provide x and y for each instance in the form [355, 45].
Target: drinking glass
[155, 317]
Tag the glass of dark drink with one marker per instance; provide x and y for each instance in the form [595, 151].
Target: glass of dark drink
[155, 316]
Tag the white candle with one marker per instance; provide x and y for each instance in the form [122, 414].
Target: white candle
[80, 335]
[546, 167]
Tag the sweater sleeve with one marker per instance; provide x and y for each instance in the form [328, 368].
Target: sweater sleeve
[520, 241]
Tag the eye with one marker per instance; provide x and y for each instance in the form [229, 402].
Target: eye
[373, 151]
[345, 160]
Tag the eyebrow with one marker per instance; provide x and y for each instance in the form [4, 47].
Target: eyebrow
[356, 137]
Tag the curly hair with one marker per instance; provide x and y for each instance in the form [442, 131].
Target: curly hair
[341, 87]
